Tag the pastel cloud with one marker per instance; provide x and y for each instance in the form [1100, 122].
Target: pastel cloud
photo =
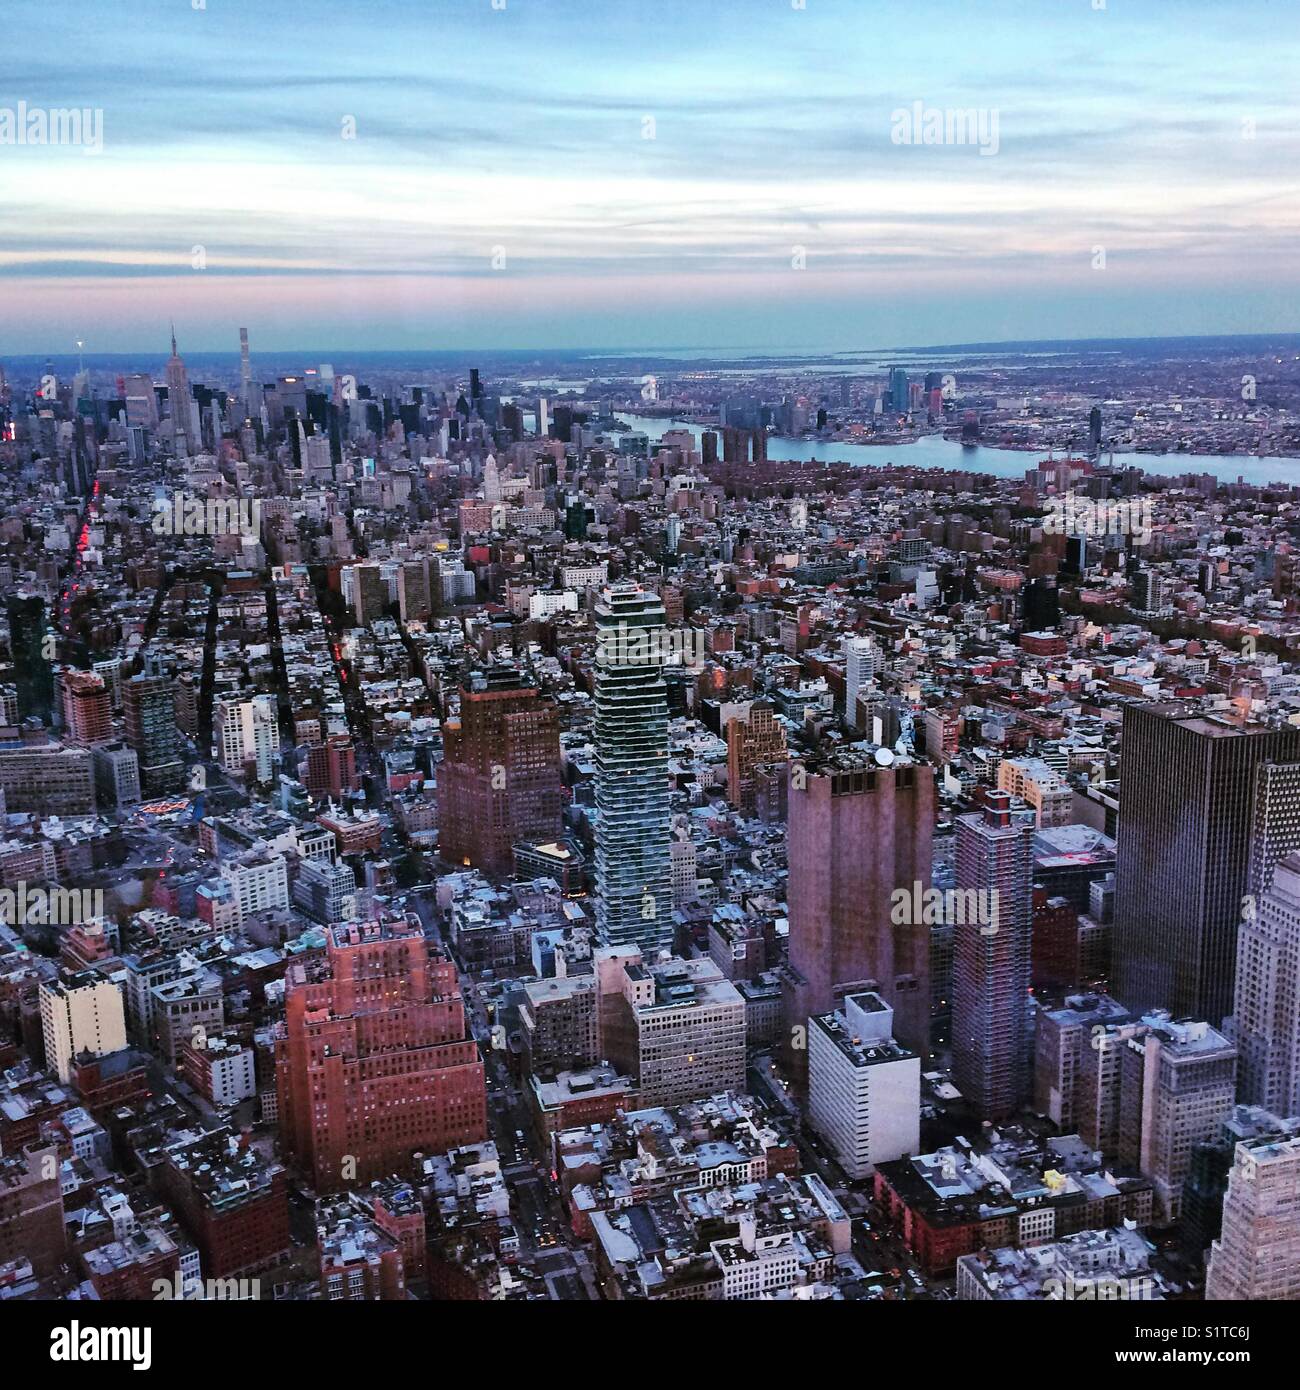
[499, 187]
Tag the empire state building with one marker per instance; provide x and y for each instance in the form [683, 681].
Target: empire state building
[180, 401]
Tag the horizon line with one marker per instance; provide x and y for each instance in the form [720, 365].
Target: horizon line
[754, 353]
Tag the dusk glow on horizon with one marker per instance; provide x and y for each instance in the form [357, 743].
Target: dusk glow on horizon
[649, 654]
[630, 175]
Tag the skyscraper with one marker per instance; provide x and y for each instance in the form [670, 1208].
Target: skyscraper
[862, 659]
[369, 594]
[633, 880]
[1187, 785]
[33, 669]
[1152, 593]
[250, 737]
[87, 708]
[150, 718]
[180, 402]
[864, 1090]
[1177, 1081]
[245, 374]
[80, 1013]
[141, 400]
[329, 769]
[1266, 1014]
[1275, 821]
[1257, 1255]
[898, 389]
[499, 780]
[413, 590]
[992, 957]
[860, 829]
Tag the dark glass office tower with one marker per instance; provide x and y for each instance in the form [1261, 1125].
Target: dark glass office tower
[150, 718]
[1187, 786]
[898, 391]
[33, 670]
[1042, 605]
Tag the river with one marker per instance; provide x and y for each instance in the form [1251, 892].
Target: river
[934, 451]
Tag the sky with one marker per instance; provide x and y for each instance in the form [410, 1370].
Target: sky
[544, 174]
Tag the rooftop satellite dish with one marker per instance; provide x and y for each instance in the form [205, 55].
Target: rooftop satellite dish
[884, 757]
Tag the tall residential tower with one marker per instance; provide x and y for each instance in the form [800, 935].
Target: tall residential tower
[992, 967]
[633, 878]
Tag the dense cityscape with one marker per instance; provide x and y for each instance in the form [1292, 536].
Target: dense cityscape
[463, 842]
[648, 654]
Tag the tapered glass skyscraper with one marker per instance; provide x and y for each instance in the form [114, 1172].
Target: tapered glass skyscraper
[633, 880]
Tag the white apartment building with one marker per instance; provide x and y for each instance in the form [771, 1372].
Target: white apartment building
[864, 1090]
[862, 660]
[250, 736]
[231, 1075]
[314, 842]
[259, 882]
[753, 1264]
[583, 577]
[544, 605]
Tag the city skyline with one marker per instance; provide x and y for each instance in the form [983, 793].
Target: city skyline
[644, 178]
[649, 654]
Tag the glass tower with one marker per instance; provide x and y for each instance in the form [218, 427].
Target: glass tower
[633, 880]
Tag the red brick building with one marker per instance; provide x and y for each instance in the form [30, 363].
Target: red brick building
[499, 781]
[858, 831]
[129, 1268]
[330, 768]
[373, 1061]
[84, 945]
[397, 1210]
[1055, 947]
[937, 1236]
[87, 708]
[1043, 644]
[105, 1084]
[31, 1209]
[233, 1202]
[359, 1262]
[357, 833]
